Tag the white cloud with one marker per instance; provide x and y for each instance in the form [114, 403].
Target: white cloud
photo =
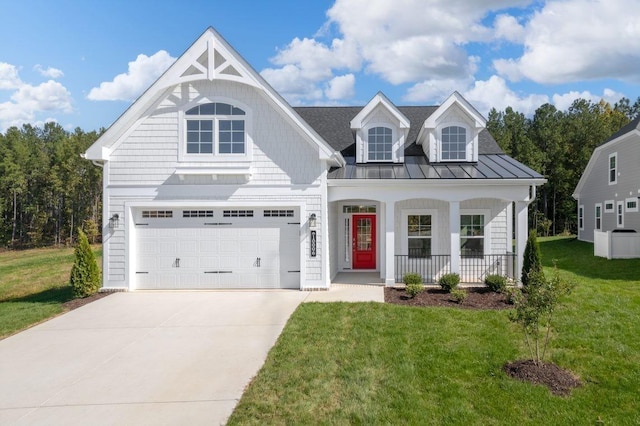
[495, 93]
[140, 75]
[404, 41]
[341, 87]
[48, 72]
[564, 101]
[9, 79]
[507, 27]
[575, 40]
[28, 101]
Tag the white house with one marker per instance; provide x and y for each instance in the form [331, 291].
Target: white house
[212, 180]
[608, 195]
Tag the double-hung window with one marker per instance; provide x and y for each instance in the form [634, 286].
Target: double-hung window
[419, 234]
[379, 144]
[581, 217]
[613, 168]
[454, 143]
[472, 235]
[598, 214]
[216, 129]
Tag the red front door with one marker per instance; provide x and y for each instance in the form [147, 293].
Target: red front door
[364, 241]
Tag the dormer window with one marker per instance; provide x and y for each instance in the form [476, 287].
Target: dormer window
[379, 144]
[454, 143]
[215, 128]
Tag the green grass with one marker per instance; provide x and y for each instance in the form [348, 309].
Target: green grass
[34, 284]
[370, 363]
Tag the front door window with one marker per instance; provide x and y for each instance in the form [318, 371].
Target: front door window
[364, 242]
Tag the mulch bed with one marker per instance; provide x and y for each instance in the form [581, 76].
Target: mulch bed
[76, 303]
[477, 298]
[560, 382]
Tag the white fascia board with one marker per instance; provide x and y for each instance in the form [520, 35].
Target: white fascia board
[458, 99]
[379, 99]
[372, 183]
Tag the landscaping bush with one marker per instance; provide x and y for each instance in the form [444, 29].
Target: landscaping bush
[458, 295]
[85, 274]
[532, 263]
[449, 281]
[413, 284]
[510, 294]
[496, 283]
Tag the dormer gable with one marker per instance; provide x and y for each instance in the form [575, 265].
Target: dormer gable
[380, 131]
[451, 133]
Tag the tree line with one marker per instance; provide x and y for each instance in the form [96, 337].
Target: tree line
[47, 190]
[558, 144]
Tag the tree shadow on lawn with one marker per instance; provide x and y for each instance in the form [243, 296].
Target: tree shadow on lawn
[54, 295]
[577, 257]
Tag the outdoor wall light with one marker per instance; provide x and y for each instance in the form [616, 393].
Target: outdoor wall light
[114, 221]
[312, 220]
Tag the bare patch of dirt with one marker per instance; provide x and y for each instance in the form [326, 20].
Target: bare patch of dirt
[76, 303]
[558, 381]
[477, 298]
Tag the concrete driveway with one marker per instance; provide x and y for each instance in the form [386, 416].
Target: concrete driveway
[142, 358]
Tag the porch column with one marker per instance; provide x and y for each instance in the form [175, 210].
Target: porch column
[390, 244]
[522, 231]
[454, 231]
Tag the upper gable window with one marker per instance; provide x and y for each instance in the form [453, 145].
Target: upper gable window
[454, 143]
[216, 128]
[379, 144]
[613, 168]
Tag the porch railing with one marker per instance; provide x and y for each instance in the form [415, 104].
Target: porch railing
[472, 269]
[430, 268]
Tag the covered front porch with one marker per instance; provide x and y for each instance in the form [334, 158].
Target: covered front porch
[389, 232]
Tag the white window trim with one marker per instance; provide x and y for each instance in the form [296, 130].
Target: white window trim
[615, 180]
[435, 242]
[397, 143]
[613, 206]
[626, 207]
[221, 160]
[595, 217]
[394, 141]
[487, 227]
[581, 217]
[620, 214]
[468, 141]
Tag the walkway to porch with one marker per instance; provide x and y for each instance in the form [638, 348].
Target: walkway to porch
[366, 278]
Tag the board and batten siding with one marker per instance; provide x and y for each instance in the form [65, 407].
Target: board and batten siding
[596, 188]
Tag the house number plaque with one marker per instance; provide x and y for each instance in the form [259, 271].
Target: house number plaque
[313, 243]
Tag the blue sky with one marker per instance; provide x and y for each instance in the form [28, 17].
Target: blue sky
[81, 63]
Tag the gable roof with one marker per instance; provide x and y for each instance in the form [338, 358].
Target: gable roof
[626, 130]
[379, 99]
[209, 57]
[334, 125]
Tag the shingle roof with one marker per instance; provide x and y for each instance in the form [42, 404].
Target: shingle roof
[333, 124]
[633, 125]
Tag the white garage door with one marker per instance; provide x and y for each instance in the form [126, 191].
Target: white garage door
[218, 248]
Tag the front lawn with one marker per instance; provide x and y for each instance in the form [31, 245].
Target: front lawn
[378, 363]
[34, 284]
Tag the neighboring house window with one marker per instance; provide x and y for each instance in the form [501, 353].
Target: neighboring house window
[598, 215]
[581, 217]
[218, 129]
[454, 143]
[379, 144]
[613, 168]
[472, 235]
[619, 214]
[631, 204]
[419, 235]
[609, 206]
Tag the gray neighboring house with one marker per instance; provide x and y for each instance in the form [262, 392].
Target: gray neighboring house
[608, 191]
